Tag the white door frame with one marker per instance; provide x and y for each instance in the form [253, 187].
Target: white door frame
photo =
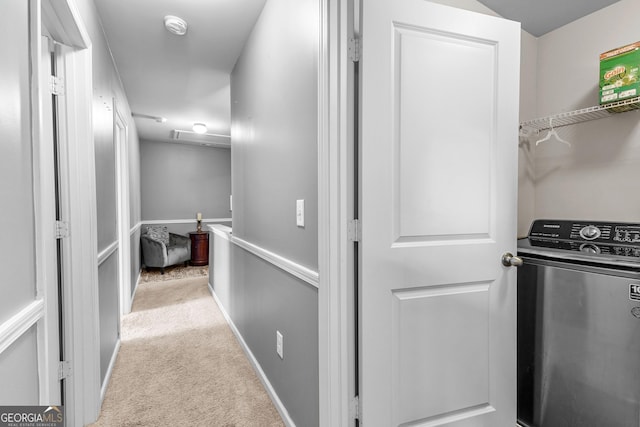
[336, 303]
[81, 340]
[120, 138]
[44, 206]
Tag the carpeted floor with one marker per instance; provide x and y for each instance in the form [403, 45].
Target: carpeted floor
[180, 365]
[172, 273]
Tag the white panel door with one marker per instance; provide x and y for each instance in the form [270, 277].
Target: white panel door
[439, 122]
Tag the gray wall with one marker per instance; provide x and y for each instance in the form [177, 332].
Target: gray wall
[108, 297]
[560, 182]
[19, 371]
[274, 131]
[528, 110]
[16, 188]
[136, 259]
[597, 178]
[274, 162]
[105, 175]
[107, 87]
[135, 214]
[179, 180]
[18, 365]
[264, 300]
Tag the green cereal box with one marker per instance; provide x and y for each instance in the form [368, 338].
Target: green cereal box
[619, 75]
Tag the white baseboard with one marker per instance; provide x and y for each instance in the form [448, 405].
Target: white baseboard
[107, 378]
[282, 410]
[135, 289]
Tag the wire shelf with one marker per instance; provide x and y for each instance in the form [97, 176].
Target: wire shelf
[583, 115]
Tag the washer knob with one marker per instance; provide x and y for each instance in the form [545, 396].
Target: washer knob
[590, 232]
[589, 248]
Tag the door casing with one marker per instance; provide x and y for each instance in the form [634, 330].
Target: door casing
[46, 251]
[335, 210]
[80, 317]
[121, 137]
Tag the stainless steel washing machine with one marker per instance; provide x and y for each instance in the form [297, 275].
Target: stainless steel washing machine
[579, 325]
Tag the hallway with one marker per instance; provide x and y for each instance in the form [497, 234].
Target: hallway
[180, 364]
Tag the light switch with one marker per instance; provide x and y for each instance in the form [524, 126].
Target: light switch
[280, 344]
[300, 213]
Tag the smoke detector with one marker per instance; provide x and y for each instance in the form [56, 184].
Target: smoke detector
[175, 25]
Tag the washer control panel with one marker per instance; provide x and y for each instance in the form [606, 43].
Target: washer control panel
[612, 233]
[593, 238]
[627, 234]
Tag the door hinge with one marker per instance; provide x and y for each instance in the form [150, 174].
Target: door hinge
[354, 49]
[56, 85]
[64, 369]
[354, 230]
[354, 408]
[62, 229]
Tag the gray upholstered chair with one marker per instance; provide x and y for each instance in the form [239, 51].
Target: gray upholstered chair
[163, 249]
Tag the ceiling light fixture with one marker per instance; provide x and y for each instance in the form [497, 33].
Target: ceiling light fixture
[175, 25]
[199, 128]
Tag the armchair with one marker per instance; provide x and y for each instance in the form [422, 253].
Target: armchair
[162, 249]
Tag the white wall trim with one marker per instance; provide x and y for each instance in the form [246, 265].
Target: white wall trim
[135, 228]
[221, 230]
[291, 267]
[282, 410]
[107, 252]
[107, 377]
[20, 323]
[184, 221]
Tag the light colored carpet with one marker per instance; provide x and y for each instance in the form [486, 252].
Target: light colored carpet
[174, 272]
[180, 365]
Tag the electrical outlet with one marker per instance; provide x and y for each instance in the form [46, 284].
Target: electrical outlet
[300, 213]
[280, 344]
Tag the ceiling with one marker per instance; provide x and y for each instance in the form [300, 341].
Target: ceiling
[538, 17]
[182, 78]
[186, 78]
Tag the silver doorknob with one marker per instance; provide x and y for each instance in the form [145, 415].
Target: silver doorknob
[510, 260]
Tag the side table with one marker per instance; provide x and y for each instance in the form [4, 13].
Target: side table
[199, 247]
